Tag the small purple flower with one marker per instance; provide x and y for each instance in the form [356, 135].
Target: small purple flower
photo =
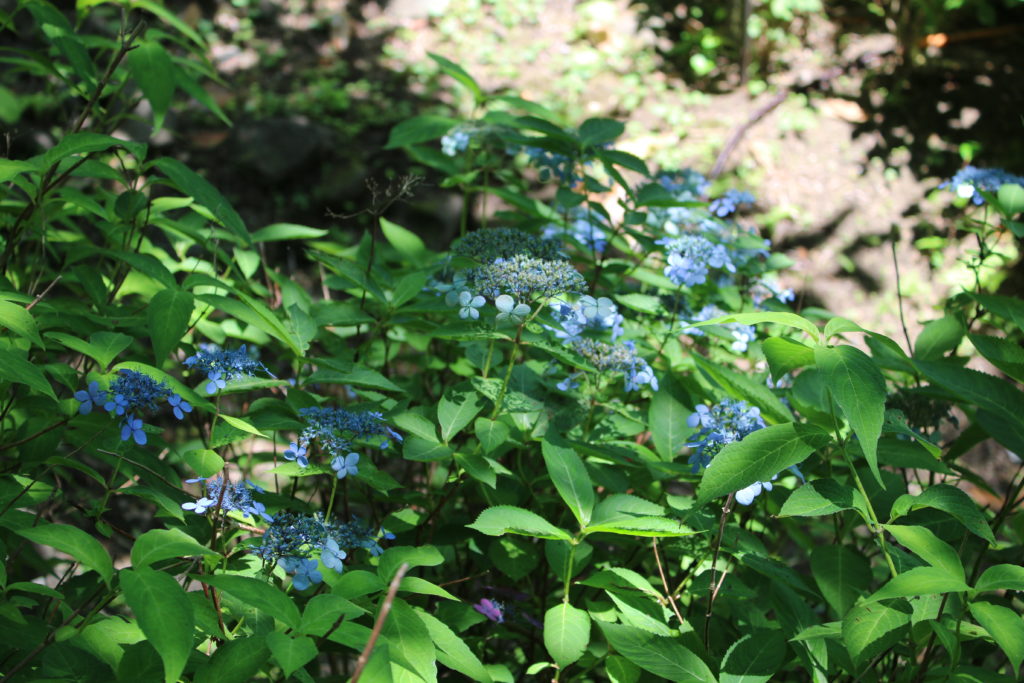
[92, 396]
[132, 428]
[216, 382]
[297, 453]
[491, 609]
[346, 465]
[117, 405]
[180, 405]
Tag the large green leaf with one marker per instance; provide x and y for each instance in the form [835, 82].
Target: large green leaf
[16, 318]
[413, 131]
[235, 661]
[452, 651]
[785, 355]
[661, 656]
[85, 549]
[823, 497]
[919, 581]
[164, 613]
[414, 556]
[256, 593]
[406, 242]
[457, 408]
[197, 187]
[628, 515]
[859, 388]
[950, 500]
[925, 544]
[570, 477]
[1005, 354]
[758, 457]
[1008, 577]
[754, 658]
[566, 633]
[102, 347]
[938, 337]
[1006, 627]
[743, 387]
[153, 70]
[459, 74]
[14, 368]
[788, 319]
[842, 575]
[324, 610]
[163, 544]
[667, 418]
[600, 131]
[291, 652]
[872, 628]
[409, 640]
[506, 519]
[168, 316]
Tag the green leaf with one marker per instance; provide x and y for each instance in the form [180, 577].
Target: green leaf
[842, 575]
[1006, 628]
[163, 544]
[743, 387]
[629, 515]
[420, 450]
[153, 70]
[492, 434]
[840, 325]
[785, 355]
[235, 661]
[419, 129]
[754, 658]
[406, 242]
[409, 640]
[822, 497]
[566, 633]
[758, 457]
[204, 462]
[570, 477]
[14, 368]
[514, 556]
[459, 74]
[950, 500]
[10, 169]
[1002, 353]
[102, 347]
[291, 653]
[16, 318]
[71, 540]
[788, 319]
[661, 656]
[859, 388]
[418, 556]
[872, 628]
[667, 418]
[168, 316]
[929, 547]
[600, 131]
[919, 581]
[506, 519]
[192, 184]
[243, 425]
[938, 337]
[256, 593]
[1011, 202]
[279, 232]
[457, 408]
[324, 610]
[164, 613]
[1008, 577]
[451, 651]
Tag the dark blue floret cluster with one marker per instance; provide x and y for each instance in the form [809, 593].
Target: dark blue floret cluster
[130, 395]
[970, 179]
[221, 365]
[232, 496]
[335, 431]
[297, 541]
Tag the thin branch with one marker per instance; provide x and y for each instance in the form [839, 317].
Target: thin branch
[378, 625]
[664, 582]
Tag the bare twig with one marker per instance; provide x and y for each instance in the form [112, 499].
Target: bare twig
[43, 293]
[716, 584]
[378, 625]
[664, 582]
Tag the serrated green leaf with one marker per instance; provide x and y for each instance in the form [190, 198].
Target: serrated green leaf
[1008, 577]
[153, 70]
[785, 355]
[1002, 353]
[506, 519]
[872, 628]
[164, 614]
[788, 319]
[452, 651]
[919, 581]
[758, 457]
[457, 408]
[822, 497]
[419, 556]
[256, 593]
[950, 500]
[14, 368]
[661, 656]
[929, 547]
[409, 640]
[85, 549]
[566, 633]
[842, 575]
[667, 418]
[20, 321]
[168, 316]
[163, 544]
[937, 337]
[406, 242]
[754, 658]
[289, 652]
[570, 477]
[235, 661]
[859, 388]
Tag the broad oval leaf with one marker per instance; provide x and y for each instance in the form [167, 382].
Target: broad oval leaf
[1006, 628]
[256, 593]
[566, 633]
[457, 408]
[85, 549]
[168, 316]
[919, 581]
[570, 477]
[929, 547]
[664, 657]
[754, 658]
[507, 519]
[163, 544]
[164, 613]
[290, 652]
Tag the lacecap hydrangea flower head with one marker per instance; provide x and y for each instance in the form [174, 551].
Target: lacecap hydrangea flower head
[222, 365]
[335, 431]
[131, 395]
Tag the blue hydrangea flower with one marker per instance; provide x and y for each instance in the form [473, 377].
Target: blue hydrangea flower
[132, 428]
[721, 424]
[305, 571]
[221, 365]
[91, 397]
[454, 141]
[525, 278]
[469, 305]
[235, 496]
[620, 357]
[746, 496]
[728, 203]
[587, 313]
[691, 256]
[569, 383]
[297, 453]
[970, 179]
[332, 555]
[200, 506]
[345, 465]
[509, 310]
[584, 226]
[742, 334]
[493, 243]
[180, 406]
